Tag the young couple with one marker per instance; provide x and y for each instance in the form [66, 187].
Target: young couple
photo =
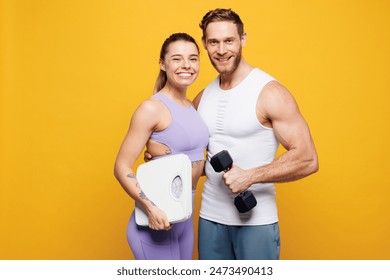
[245, 111]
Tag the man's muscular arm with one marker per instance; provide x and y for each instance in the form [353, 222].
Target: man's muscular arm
[277, 108]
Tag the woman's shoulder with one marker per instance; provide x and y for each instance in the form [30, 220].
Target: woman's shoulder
[151, 106]
[148, 113]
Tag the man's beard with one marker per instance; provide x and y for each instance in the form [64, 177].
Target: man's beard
[228, 69]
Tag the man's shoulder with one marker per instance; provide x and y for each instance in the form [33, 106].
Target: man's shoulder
[209, 88]
[263, 75]
[197, 99]
[274, 95]
[273, 87]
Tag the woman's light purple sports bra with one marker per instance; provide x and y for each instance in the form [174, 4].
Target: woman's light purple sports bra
[186, 134]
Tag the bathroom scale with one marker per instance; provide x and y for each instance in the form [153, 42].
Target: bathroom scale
[167, 182]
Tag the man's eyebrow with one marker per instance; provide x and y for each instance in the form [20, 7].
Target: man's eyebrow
[221, 39]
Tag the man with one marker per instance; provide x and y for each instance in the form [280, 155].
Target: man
[247, 113]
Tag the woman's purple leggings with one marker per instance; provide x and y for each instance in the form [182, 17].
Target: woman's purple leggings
[174, 244]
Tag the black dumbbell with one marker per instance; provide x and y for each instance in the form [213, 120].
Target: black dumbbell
[222, 161]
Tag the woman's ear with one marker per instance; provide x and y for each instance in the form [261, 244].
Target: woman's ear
[162, 66]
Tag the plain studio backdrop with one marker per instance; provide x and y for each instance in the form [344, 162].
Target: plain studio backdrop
[72, 73]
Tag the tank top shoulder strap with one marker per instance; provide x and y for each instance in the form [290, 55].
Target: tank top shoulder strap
[163, 98]
[172, 107]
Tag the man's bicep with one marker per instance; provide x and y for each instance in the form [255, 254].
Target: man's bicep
[287, 122]
[291, 131]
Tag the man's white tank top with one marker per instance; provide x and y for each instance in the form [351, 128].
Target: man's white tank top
[230, 116]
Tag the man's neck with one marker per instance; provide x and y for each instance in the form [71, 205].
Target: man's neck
[229, 81]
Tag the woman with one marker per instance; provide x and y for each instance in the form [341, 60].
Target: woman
[168, 118]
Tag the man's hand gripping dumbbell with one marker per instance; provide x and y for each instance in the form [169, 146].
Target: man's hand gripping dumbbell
[222, 161]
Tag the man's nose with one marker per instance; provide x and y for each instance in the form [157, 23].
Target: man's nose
[221, 48]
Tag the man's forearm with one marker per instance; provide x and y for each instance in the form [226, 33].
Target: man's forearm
[288, 167]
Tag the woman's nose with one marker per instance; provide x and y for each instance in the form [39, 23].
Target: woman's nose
[185, 63]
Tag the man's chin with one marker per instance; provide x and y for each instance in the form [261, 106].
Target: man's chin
[225, 70]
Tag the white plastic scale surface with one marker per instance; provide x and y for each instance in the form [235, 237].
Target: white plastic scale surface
[167, 182]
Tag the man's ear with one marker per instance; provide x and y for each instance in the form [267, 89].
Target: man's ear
[243, 40]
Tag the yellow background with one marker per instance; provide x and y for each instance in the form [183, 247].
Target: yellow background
[72, 73]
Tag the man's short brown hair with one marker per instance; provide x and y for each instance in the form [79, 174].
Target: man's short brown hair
[221, 15]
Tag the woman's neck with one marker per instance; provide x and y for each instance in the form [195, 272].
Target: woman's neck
[179, 95]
